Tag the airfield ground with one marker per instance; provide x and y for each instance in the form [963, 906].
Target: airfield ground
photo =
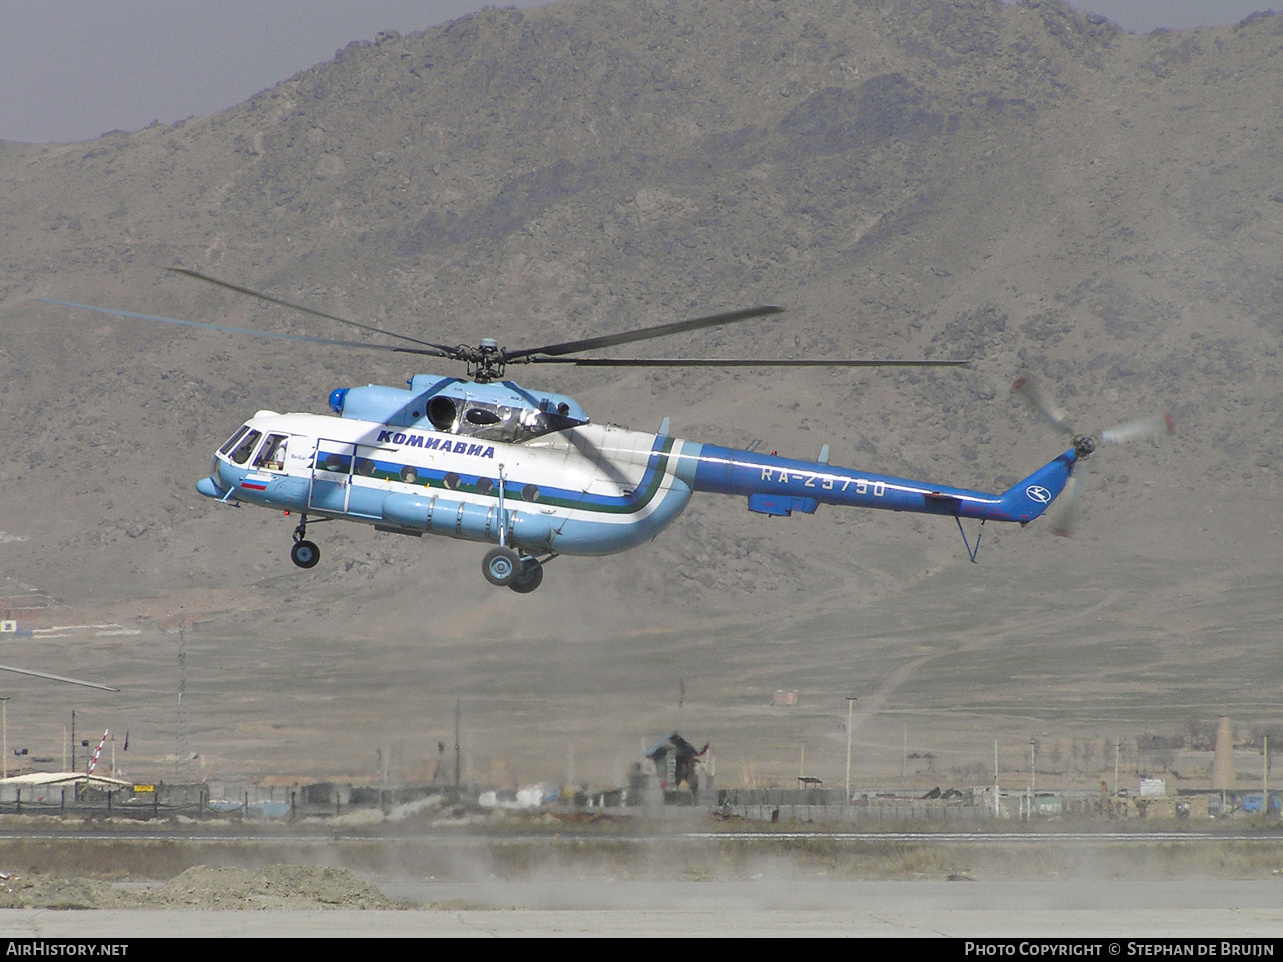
[534, 876]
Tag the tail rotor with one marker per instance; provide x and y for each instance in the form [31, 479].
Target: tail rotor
[1085, 445]
[1149, 427]
[1065, 523]
[1032, 393]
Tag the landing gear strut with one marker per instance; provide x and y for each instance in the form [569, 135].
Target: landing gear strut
[304, 553]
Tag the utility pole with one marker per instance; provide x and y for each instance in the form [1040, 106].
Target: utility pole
[1033, 760]
[182, 748]
[995, 778]
[850, 705]
[457, 758]
[4, 710]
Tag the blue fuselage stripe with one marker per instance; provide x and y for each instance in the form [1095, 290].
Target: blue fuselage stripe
[385, 470]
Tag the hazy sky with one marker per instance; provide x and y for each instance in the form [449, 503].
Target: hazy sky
[74, 69]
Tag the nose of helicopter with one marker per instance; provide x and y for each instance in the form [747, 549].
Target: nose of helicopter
[209, 488]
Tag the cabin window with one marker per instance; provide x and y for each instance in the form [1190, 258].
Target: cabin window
[240, 454]
[335, 463]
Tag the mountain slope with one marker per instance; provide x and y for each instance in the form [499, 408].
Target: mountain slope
[1018, 185]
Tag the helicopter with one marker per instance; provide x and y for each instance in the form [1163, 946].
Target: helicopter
[481, 458]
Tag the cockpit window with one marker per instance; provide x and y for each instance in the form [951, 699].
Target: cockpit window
[231, 442]
[271, 455]
[240, 454]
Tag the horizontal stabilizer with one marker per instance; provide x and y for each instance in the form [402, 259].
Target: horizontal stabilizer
[947, 501]
[781, 505]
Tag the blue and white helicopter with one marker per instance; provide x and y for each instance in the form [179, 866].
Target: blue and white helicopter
[483, 459]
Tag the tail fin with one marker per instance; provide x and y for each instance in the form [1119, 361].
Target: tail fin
[1028, 499]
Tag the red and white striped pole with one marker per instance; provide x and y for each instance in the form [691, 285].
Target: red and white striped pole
[93, 762]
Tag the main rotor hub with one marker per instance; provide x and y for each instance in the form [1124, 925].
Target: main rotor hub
[485, 362]
[1084, 446]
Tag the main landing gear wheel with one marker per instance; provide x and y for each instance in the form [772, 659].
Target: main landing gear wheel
[305, 554]
[528, 579]
[501, 566]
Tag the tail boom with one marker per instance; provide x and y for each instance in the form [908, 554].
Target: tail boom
[779, 486]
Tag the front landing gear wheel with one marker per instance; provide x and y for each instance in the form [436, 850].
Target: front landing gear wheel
[501, 566]
[528, 579]
[305, 554]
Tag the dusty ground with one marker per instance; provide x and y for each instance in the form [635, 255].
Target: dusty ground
[497, 875]
[470, 862]
[276, 887]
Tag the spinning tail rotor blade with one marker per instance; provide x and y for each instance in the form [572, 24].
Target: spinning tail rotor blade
[1042, 402]
[1066, 523]
[1144, 428]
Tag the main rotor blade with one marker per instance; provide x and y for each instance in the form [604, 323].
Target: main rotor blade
[307, 338]
[642, 334]
[69, 681]
[306, 310]
[1042, 402]
[738, 362]
[1143, 428]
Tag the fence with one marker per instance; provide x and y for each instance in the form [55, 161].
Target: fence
[822, 805]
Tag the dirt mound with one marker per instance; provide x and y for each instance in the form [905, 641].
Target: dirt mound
[276, 887]
[200, 887]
